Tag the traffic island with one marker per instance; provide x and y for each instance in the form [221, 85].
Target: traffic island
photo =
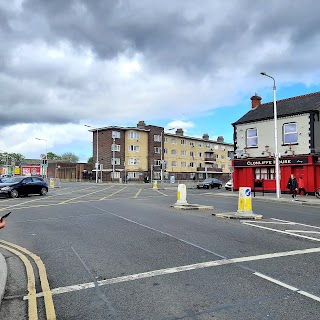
[244, 211]
[192, 207]
[236, 215]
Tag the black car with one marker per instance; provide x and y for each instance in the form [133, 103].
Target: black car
[16, 186]
[210, 183]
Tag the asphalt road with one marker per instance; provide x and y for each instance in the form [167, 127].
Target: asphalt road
[121, 252]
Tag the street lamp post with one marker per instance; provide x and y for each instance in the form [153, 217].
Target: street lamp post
[113, 155]
[97, 159]
[161, 157]
[275, 135]
[44, 172]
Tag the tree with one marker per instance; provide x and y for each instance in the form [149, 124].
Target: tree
[90, 160]
[53, 156]
[69, 156]
[7, 158]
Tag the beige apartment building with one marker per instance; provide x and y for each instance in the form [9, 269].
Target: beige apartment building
[145, 151]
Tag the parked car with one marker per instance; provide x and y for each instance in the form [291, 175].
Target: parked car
[209, 183]
[16, 186]
[229, 185]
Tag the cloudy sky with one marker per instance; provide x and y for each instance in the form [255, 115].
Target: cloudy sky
[190, 64]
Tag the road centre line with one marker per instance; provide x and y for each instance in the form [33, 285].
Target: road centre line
[136, 195]
[282, 284]
[280, 231]
[32, 305]
[84, 195]
[49, 306]
[161, 272]
[110, 195]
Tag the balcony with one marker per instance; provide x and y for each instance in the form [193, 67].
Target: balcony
[210, 159]
[202, 169]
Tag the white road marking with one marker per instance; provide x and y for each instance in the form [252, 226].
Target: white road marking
[287, 286]
[302, 231]
[136, 196]
[282, 284]
[296, 223]
[173, 270]
[280, 231]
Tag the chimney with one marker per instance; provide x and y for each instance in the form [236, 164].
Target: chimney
[220, 139]
[179, 132]
[141, 124]
[256, 101]
[205, 136]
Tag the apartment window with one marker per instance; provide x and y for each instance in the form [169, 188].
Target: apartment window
[115, 147]
[173, 152]
[115, 175]
[183, 142]
[230, 149]
[265, 173]
[216, 147]
[133, 148]
[157, 162]
[191, 154]
[173, 141]
[115, 161]
[191, 143]
[173, 163]
[209, 145]
[223, 148]
[252, 137]
[183, 152]
[223, 156]
[223, 166]
[115, 134]
[165, 139]
[200, 144]
[192, 164]
[134, 161]
[157, 138]
[133, 175]
[134, 135]
[183, 164]
[200, 154]
[165, 151]
[290, 133]
[157, 150]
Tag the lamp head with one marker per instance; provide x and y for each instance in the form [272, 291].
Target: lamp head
[263, 73]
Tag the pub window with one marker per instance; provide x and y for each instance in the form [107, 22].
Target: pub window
[252, 137]
[265, 173]
[290, 133]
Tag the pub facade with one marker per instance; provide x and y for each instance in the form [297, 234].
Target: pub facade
[298, 143]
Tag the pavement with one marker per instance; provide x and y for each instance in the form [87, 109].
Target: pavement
[285, 198]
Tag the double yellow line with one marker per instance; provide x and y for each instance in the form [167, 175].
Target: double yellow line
[32, 307]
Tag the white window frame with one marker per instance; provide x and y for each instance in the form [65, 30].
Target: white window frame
[200, 144]
[133, 161]
[183, 142]
[183, 164]
[157, 162]
[174, 164]
[157, 137]
[250, 138]
[290, 133]
[191, 164]
[115, 147]
[133, 175]
[157, 150]
[174, 152]
[133, 135]
[115, 161]
[115, 175]
[183, 152]
[173, 141]
[116, 134]
[133, 148]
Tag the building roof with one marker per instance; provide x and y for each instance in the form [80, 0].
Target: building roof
[286, 107]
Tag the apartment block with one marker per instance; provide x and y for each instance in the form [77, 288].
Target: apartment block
[140, 152]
